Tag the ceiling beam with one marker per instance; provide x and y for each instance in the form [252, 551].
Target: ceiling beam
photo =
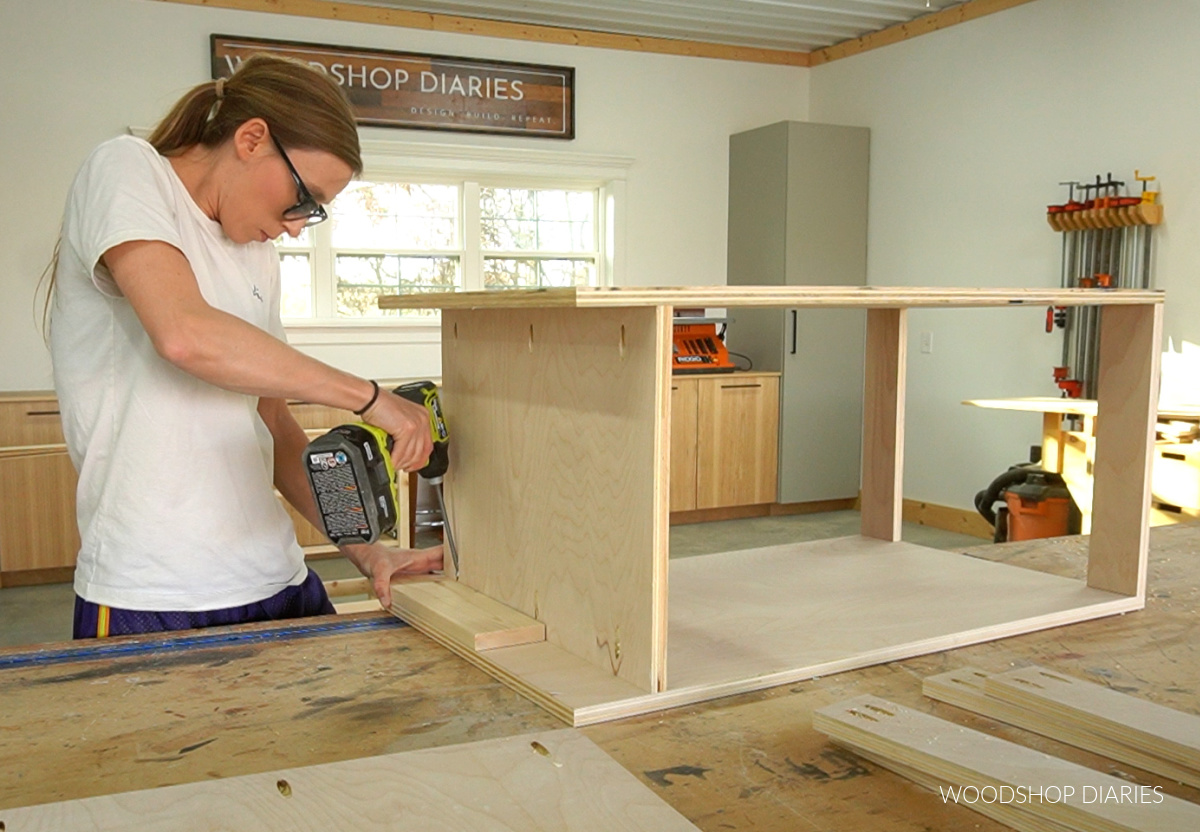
[952, 16]
[357, 13]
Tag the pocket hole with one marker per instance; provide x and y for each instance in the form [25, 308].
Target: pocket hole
[284, 787]
[456, 329]
[621, 346]
[531, 337]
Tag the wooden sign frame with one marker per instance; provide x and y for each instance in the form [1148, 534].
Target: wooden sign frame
[429, 92]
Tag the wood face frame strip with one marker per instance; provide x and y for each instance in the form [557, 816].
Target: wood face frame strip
[970, 758]
[556, 781]
[470, 618]
[967, 689]
[1127, 400]
[876, 297]
[883, 423]
[383, 16]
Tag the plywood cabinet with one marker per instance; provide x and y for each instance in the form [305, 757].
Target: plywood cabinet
[724, 440]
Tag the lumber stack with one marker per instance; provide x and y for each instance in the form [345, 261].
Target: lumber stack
[1024, 788]
[1149, 736]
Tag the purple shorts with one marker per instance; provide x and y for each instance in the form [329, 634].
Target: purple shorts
[99, 621]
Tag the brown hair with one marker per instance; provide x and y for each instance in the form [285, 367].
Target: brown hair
[303, 106]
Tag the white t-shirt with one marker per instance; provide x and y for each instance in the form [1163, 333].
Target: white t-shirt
[176, 507]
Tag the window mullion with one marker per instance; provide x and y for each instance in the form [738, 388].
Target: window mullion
[472, 235]
[324, 279]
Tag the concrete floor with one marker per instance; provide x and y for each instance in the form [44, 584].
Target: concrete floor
[38, 614]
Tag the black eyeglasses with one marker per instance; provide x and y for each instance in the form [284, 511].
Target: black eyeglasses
[306, 208]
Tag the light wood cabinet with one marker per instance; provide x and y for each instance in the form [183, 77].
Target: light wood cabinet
[724, 440]
[684, 398]
[38, 535]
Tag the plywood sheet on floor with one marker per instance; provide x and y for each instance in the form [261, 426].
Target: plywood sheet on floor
[556, 780]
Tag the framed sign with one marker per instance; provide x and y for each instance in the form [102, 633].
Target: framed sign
[429, 92]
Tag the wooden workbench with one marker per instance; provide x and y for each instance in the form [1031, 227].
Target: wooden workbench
[232, 701]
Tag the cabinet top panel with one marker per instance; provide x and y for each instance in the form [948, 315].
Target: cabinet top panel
[878, 297]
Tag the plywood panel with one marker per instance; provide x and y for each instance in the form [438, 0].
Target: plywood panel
[557, 780]
[1127, 396]
[966, 757]
[823, 607]
[558, 486]
[883, 423]
[870, 297]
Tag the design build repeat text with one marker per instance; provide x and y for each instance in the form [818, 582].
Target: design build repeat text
[396, 89]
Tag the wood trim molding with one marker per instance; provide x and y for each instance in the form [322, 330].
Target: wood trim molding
[952, 16]
[358, 13]
[947, 518]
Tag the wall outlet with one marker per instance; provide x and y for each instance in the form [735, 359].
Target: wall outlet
[927, 342]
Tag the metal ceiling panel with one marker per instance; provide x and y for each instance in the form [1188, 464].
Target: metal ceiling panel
[793, 25]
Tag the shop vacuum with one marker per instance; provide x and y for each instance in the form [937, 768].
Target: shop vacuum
[1033, 502]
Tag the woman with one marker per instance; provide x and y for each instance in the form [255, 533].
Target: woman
[171, 367]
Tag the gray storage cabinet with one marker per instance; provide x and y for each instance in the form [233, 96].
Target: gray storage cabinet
[798, 216]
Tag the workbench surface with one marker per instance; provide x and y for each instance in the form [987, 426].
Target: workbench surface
[255, 698]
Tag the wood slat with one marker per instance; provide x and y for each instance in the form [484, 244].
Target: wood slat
[1147, 726]
[871, 297]
[457, 612]
[966, 688]
[557, 780]
[965, 757]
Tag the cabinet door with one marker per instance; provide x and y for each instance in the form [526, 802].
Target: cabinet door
[37, 512]
[683, 444]
[738, 441]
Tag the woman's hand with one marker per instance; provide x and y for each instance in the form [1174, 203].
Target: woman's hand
[408, 424]
[382, 564]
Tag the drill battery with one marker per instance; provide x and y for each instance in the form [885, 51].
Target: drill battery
[353, 482]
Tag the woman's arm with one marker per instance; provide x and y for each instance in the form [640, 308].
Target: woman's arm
[228, 352]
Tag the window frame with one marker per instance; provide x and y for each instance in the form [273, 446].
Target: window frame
[470, 167]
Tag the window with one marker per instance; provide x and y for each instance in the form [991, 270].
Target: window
[398, 235]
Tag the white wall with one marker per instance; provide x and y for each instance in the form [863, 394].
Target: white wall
[77, 73]
[972, 129]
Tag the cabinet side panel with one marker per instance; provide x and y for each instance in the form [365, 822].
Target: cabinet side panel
[827, 204]
[883, 423]
[559, 472]
[1127, 394]
[757, 206]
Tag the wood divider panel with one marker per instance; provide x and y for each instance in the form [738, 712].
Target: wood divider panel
[1127, 401]
[883, 423]
[558, 484]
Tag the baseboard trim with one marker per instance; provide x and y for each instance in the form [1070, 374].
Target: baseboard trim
[711, 515]
[947, 518]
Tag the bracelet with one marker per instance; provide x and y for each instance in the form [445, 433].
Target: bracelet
[374, 398]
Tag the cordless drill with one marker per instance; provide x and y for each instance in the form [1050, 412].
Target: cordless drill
[353, 480]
